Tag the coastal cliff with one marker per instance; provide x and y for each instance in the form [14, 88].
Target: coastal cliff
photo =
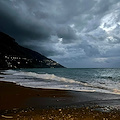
[13, 56]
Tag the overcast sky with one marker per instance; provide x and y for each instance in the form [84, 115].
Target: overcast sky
[75, 33]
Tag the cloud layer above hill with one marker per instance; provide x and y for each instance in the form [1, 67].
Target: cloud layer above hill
[74, 33]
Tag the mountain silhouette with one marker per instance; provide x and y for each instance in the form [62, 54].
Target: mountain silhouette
[13, 56]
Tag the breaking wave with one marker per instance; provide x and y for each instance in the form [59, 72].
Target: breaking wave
[45, 80]
[50, 77]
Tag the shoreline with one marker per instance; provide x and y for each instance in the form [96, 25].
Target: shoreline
[33, 101]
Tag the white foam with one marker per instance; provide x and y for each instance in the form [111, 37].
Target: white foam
[52, 81]
[88, 87]
[50, 77]
[9, 71]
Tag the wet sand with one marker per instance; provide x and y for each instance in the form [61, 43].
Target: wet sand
[18, 102]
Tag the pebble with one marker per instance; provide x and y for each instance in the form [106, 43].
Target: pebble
[7, 117]
[60, 109]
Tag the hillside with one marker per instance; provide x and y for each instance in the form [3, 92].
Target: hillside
[14, 56]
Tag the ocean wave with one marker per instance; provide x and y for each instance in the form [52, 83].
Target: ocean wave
[106, 77]
[70, 84]
[52, 77]
[9, 72]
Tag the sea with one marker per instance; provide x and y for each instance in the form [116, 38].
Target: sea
[76, 79]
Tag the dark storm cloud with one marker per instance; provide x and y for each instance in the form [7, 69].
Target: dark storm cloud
[67, 33]
[79, 32]
[19, 24]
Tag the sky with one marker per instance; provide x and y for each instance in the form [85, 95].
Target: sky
[75, 33]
